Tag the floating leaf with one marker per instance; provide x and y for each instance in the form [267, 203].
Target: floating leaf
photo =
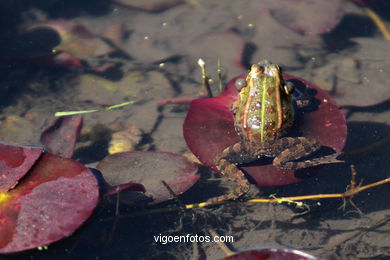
[52, 200]
[209, 128]
[15, 162]
[150, 169]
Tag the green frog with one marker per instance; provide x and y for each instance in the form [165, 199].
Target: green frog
[263, 114]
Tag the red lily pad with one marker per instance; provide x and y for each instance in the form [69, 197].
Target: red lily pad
[52, 200]
[272, 254]
[150, 169]
[15, 162]
[209, 128]
[61, 137]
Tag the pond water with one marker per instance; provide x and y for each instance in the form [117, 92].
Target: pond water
[88, 55]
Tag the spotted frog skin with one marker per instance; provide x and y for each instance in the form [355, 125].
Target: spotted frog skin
[263, 114]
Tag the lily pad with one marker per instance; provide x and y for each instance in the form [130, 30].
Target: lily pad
[61, 137]
[150, 169]
[272, 254]
[15, 162]
[209, 128]
[52, 200]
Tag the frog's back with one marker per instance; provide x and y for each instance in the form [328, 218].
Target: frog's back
[264, 111]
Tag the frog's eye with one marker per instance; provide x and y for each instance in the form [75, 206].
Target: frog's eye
[240, 84]
[289, 87]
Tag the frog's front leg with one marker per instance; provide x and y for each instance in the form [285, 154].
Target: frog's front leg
[288, 150]
[226, 162]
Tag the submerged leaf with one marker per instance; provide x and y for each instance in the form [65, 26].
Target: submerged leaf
[308, 16]
[76, 39]
[76, 46]
[202, 46]
[61, 137]
[374, 70]
[150, 5]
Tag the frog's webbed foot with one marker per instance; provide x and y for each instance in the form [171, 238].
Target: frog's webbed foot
[294, 148]
[234, 174]
[224, 164]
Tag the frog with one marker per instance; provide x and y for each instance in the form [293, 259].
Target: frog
[263, 115]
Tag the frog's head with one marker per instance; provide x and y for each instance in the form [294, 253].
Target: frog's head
[265, 68]
[260, 69]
